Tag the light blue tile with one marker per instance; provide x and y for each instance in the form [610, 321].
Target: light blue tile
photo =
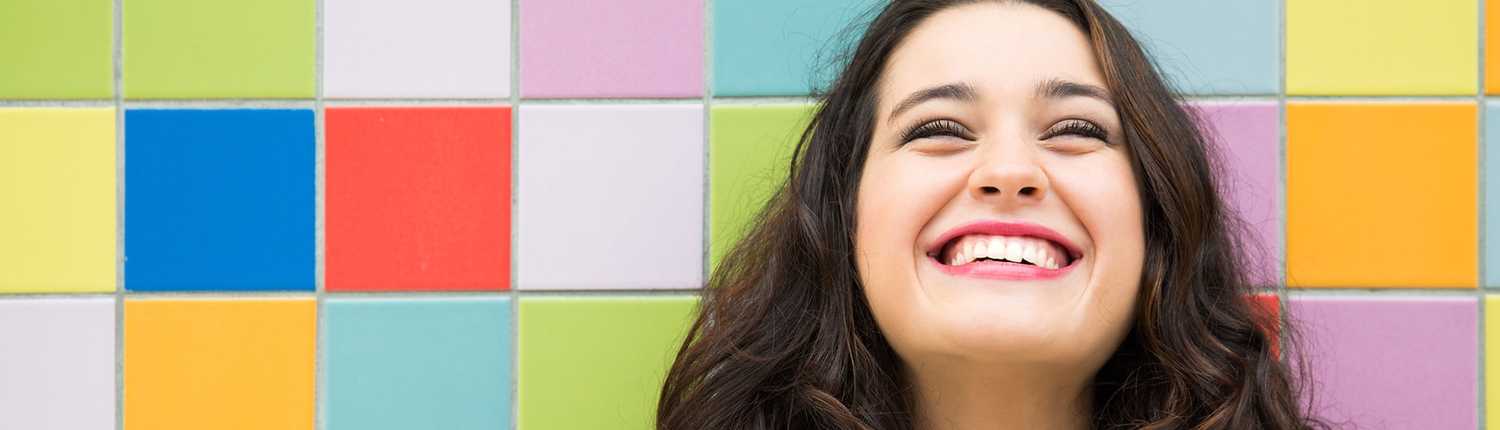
[1491, 187]
[781, 47]
[417, 363]
[1209, 47]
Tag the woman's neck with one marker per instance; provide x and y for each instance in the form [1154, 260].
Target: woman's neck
[961, 397]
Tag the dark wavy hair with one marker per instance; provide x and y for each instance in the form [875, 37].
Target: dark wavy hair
[785, 339]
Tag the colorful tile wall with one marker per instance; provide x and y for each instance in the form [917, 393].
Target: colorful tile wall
[1360, 174]
[219, 199]
[58, 365]
[1391, 362]
[596, 362]
[425, 363]
[600, 181]
[1381, 47]
[223, 364]
[394, 49]
[417, 198]
[57, 213]
[648, 48]
[339, 214]
[75, 63]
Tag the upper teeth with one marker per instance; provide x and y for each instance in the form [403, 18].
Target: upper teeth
[1015, 249]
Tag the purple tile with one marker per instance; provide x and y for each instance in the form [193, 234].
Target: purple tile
[1388, 362]
[1246, 134]
[610, 197]
[587, 48]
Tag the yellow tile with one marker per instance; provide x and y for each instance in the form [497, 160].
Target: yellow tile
[1491, 47]
[57, 200]
[1492, 360]
[1382, 47]
[1381, 195]
[219, 364]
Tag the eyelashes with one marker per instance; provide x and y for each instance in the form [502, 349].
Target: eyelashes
[951, 128]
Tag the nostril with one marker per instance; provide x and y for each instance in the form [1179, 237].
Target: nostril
[989, 190]
[1028, 191]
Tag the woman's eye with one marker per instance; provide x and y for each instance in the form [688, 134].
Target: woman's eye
[1080, 128]
[942, 127]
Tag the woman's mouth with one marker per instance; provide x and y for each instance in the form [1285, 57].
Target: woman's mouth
[1000, 250]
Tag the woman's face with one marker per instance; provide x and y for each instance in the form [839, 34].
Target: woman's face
[996, 141]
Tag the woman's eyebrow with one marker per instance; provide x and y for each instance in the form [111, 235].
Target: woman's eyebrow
[1058, 88]
[961, 91]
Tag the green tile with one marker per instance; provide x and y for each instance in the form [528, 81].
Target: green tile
[750, 150]
[596, 362]
[219, 49]
[56, 49]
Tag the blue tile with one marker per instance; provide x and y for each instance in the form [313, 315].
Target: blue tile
[408, 364]
[1209, 47]
[774, 47]
[219, 200]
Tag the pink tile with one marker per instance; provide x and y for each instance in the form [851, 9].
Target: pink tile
[1246, 134]
[588, 48]
[1391, 362]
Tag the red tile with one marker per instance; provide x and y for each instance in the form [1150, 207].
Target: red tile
[418, 199]
[1267, 309]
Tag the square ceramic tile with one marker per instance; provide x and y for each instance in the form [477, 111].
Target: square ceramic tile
[433, 49]
[196, 49]
[1382, 47]
[200, 364]
[59, 365]
[610, 196]
[592, 49]
[1247, 138]
[596, 362]
[1206, 47]
[57, 217]
[59, 49]
[749, 158]
[1492, 361]
[417, 198]
[1382, 195]
[1267, 307]
[1492, 194]
[782, 47]
[219, 200]
[1391, 362]
[410, 364]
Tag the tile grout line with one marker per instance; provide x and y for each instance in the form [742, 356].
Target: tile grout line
[1282, 134]
[117, 48]
[706, 271]
[320, 205]
[515, 187]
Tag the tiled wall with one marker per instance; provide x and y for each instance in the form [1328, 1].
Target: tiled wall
[383, 214]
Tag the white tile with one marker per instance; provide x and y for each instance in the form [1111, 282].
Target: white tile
[431, 48]
[57, 364]
[610, 197]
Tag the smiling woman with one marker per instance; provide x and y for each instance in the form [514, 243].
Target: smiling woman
[999, 217]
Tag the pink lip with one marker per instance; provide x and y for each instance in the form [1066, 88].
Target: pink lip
[1005, 270]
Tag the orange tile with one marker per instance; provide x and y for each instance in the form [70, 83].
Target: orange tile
[1382, 195]
[219, 364]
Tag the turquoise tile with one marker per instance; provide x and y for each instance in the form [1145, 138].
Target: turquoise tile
[1491, 187]
[1209, 47]
[423, 363]
[774, 47]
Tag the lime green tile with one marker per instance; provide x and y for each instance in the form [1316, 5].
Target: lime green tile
[596, 362]
[56, 49]
[1382, 47]
[219, 49]
[750, 148]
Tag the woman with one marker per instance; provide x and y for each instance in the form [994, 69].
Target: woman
[999, 217]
